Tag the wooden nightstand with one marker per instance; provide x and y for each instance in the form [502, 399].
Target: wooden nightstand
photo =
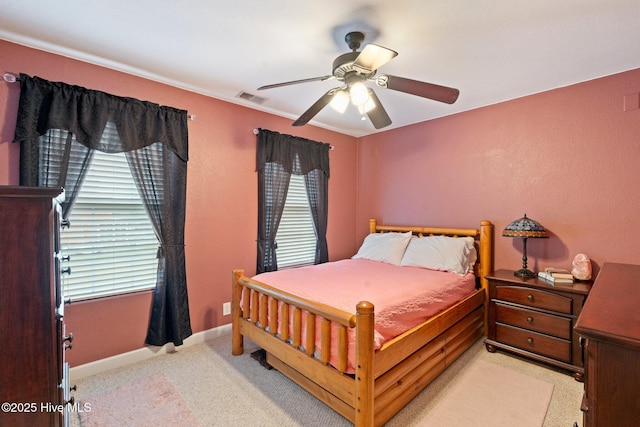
[535, 319]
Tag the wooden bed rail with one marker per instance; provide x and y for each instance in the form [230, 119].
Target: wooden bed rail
[330, 313]
[374, 227]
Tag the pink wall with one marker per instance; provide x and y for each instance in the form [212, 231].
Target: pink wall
[221, 196]
[568, 158]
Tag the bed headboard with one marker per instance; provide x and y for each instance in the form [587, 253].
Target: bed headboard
[483, 237]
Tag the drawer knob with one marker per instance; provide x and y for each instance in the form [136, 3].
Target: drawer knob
[530, 298]
[68, 342]
[529, 319]
[530, 341]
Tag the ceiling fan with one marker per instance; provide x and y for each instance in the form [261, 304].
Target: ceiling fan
[352, 70]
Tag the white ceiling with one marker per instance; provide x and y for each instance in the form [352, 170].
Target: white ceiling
[491, 50]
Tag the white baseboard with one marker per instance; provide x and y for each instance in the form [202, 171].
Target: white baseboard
[103, 365]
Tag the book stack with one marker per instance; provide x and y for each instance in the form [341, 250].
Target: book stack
[556, 275]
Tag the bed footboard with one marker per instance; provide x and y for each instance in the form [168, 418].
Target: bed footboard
[271, 309]
[384, 381]
[261, 313]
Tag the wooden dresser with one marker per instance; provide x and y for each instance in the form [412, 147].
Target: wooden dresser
[610, 326]
[33, 385]
[535, 319]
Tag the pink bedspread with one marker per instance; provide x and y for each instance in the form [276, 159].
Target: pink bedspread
[403, 297]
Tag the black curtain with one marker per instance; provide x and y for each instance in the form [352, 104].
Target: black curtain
[57, 160]
[317, 186]
[155, 140]
[279, 156]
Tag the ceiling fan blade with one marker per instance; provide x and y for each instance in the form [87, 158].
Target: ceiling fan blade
[373, 57]
[295, 82]
[414, 87]
[378, 115]
[315, 108]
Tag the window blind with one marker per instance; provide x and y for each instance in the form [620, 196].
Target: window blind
[296, 236]
[111, 244]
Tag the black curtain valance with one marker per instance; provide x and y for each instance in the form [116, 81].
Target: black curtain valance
[84, 112]
[283, 149]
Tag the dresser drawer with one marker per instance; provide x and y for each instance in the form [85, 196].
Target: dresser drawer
[549, 324]
[545, 345]
[535, 298]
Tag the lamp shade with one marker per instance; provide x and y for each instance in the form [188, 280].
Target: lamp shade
[525, 228]
[340, 101]
[359, 93]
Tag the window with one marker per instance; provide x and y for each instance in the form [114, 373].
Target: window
[301, 166]
[111, 244]
[296, 236]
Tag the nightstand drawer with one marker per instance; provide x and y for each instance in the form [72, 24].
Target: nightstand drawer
[545, 345]
[533, 320]
[535, 298]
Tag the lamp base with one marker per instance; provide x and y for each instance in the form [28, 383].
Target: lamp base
[523, 272]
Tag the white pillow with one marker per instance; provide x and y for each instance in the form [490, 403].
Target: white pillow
[473, 254]
[384, 247]
[454, 254]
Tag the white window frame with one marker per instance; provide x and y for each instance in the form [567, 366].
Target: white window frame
[296, 237]
[111, 245]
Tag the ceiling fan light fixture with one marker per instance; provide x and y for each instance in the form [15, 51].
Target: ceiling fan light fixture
[359, 93]
[340, 101]
[353, 69]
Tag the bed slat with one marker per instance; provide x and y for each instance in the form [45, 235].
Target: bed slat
[262, 315]
[255, 298]
[297, 327]
[310, 325]
[246, 295]
[342, 349]
[273, 317]
[284, 327]
[325, 341]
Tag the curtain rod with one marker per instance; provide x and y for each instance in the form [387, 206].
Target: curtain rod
[256, 131]
[10, 78]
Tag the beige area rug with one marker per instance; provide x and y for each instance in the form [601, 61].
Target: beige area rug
[488, 395]
[149, 401]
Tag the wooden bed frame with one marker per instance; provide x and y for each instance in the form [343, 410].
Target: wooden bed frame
[385, 379]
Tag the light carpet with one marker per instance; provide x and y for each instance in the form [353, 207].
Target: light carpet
[150, 401]
[488, 395]
[224, 390]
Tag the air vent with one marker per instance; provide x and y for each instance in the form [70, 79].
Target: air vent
[250, 97]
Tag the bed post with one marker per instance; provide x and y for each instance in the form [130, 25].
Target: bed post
[372, 225]
[237, 344]
[364, 364]
[486, 266]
